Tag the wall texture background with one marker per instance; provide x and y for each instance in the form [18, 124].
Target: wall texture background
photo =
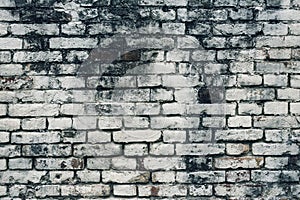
[149, 99]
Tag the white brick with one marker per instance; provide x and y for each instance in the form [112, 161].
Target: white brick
[98, 137]
[123, 163]
[59, 123]
[269, 149]
[275, 29]
[276, 108]
[163, 163]
[33, 123]
[11, 70]
[174, 136]
[244, 79]
[163, 177]
[9, 124]
[200, 149]
[125, 176]
[239, 134]
[4, 137]
[89, 176]
[69, 43]
[124, 190]
[26, 56]
[275, 80]
[136, 150]
[162, 149]
[35, 137]
[42, 29]
[136, 136]
[239, 121]
[110, 122]
[33, 110]
[10, 43]
[249, 109]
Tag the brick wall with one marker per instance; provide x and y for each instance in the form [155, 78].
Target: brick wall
[149, 99]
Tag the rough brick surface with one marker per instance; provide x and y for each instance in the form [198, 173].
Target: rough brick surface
[149, 99]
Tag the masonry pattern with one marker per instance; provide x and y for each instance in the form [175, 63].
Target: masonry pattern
[149, 99]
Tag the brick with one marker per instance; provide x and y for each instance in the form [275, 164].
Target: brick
[36, 150]
[136, 149]
[174, 122]
[9, 16]
[240, 162]
[59, 123]
[162, 190]
[200, 149]
[88, 176]
[123, 163]
[277, 135]
[98, 163]
[187, 42]
[34, 123]
[237, 29]
[173, 28]
[148, 80]
[162, 149]
[73, 29]
[124, 190]
[41, 29]
[204, 55]
[212, 109]
[247, 80]
[11, 70]
[268, 149]
[276, 162]
[276, 108]
[5, 56]
[71, 43]
[241, 14]
[85, 123]
[163, 177]
[35, 137]
[200, 136]
[275, 80]
[136, 122]
[238, 176]
[281, 15]
[179, 81]
[20, 163]
[4, 137]
[288, 93]
[159, 14]
[275, 29]
[174, 136]
[274, 176]
[239, 134]
[278, 3]
[7, 3]
[148, 42]
[98, 137]
[205, 177]
[21, 177]
[250, 94]
[108, 149]
[85, 190]
[3, 165]
[277, 41]
[249, 109]
[239, 121]
[280, 54]
[59, 163]
[136, 136]
[47, 191]
[125, 176]
[33, 109]
[241, 67]
[7, 124]
[236, 149]
[276, 121]
[234, 190]
[49, 56]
